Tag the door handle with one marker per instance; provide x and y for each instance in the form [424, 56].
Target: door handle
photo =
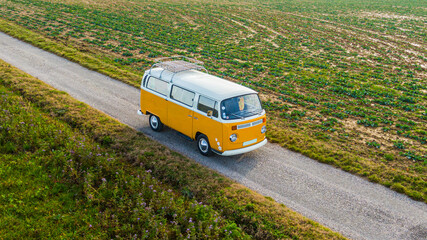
[190, 116]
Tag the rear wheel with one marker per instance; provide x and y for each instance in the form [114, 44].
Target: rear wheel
[203, 145]
[155, 123]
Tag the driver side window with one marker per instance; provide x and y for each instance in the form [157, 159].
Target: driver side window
[205, 104]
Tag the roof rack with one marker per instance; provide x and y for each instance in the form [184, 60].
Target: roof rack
[176, 66]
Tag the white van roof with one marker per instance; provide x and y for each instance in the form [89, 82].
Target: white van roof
[202, 83]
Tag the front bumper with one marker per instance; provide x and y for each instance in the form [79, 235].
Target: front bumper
[242, 150]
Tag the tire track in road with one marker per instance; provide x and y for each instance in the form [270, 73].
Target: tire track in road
[343, 202]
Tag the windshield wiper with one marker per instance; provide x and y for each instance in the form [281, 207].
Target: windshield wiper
[239, 116]
[255, 112]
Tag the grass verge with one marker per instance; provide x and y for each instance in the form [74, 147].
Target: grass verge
[89, 60]
[134, 154]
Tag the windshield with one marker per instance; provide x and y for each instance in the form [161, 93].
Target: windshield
[240, 107]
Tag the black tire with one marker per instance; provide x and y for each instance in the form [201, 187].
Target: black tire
[203, 145]
[155, 123]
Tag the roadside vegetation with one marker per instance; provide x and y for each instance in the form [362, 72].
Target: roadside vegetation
[343, 82]
[69, 171]
[60, 183]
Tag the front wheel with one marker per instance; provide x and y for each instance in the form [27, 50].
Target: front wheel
[203, 145]
[155, 123]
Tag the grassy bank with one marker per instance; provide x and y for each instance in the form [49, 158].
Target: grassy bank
[102, 173]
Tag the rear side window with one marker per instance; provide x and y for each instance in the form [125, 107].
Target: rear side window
[158, 85]
[206, 104]
[182, 95]
[145, 80]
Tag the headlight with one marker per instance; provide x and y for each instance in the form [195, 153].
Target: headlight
[263, 129]
[233, 137]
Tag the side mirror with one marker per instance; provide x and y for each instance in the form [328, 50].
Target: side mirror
[209, 113]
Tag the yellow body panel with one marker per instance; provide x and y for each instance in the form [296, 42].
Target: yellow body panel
[243, 135]
[180, 118]
[157, 105]
[211, 128]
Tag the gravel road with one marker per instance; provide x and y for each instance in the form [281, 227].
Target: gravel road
[343, 202]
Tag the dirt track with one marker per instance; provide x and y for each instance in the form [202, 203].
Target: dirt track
[348, 204]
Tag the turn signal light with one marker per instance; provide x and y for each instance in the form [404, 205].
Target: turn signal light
[234, 127]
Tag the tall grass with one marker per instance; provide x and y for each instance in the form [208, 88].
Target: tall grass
[59, 183]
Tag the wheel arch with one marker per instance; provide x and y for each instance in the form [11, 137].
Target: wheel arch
[198, 134]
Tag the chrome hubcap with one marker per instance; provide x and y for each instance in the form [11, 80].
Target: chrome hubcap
[154, 122]
[203, 145]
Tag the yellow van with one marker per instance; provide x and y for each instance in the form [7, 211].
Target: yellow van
[223, 117]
